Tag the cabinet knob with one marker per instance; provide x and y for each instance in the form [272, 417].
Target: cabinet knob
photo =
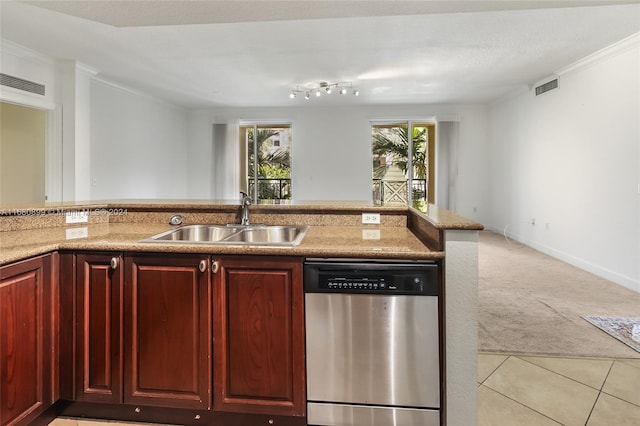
[271, 421]
[215, 267]
[114, 263]
[203, 266]
[137, 409]
[197, 417]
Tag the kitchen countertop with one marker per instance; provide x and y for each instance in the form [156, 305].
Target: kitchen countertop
[335, 229]
[320, 241]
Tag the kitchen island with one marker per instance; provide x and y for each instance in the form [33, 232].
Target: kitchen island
[115, 229]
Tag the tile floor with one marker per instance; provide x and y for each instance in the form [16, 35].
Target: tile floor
[539, 391]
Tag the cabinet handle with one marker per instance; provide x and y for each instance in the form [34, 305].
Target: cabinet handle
[114, 263]
[203, 265]
[215, 267]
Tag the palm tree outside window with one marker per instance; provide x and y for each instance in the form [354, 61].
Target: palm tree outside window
[403, 163]
[266, 170]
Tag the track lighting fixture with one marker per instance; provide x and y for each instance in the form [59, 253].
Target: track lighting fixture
[324, 87]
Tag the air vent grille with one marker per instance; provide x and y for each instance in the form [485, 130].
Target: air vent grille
[21, 84]
[553, 84]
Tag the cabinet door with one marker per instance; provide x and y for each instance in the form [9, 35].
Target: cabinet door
[168, 332]
[26, 344]
[99, 327]
[259, 336]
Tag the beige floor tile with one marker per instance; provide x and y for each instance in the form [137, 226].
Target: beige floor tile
[97, 422]
[613, 411]
[564, 400]
[497, 410]
[632, 362]
[487, 363]
[624, 382]
[116, 423]
[62, 421]
[591, 372]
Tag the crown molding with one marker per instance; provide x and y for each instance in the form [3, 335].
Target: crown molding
[631, 42]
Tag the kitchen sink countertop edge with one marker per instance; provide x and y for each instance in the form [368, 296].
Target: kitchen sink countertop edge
[335, 230]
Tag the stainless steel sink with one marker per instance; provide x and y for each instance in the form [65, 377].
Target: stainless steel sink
[266, 235]
[272, 235]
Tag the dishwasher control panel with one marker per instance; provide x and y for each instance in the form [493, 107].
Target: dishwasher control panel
[371, 278]
[388, 284]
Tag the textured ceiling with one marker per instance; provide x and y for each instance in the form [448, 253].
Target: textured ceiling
[124, 13]
[252, 53]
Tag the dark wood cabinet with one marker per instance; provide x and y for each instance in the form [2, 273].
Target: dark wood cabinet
[99, 327]
[28, 321]
[153, 337]
[259, 336]
[168, 331]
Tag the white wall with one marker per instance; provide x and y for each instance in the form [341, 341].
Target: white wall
[138, 145]
[18, 61]
[569, 159]
[21, 62]
[331, 148]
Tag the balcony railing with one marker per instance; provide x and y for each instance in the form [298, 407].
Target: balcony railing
[280, 189]
[272, 189]
[418, 190]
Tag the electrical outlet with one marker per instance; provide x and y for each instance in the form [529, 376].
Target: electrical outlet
[371, 218]
[73, 233]
[77, 216]
[370, 234]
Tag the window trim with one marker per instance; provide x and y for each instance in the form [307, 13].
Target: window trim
[430, 124]
[258, 124]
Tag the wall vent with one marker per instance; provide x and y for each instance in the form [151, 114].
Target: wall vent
[553, 84]
[21, 84]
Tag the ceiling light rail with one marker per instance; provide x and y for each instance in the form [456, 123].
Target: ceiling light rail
[324, 88]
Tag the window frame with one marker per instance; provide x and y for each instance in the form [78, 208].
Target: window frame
[430, 152]
[244, 152]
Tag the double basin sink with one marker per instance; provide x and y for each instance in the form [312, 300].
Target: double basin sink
[270, 235]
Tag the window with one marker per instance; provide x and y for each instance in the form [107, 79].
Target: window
[266, 169]
[403, 163]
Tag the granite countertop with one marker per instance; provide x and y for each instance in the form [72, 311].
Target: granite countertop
[335, 228]
[320, 241]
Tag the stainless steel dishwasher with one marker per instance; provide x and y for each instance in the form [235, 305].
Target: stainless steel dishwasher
[372, 343]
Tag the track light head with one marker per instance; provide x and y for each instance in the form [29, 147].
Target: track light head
[323, 87]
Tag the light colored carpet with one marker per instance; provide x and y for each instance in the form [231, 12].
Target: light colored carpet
[531, 303]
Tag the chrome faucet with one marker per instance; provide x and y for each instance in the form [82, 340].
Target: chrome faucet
[245, 203]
